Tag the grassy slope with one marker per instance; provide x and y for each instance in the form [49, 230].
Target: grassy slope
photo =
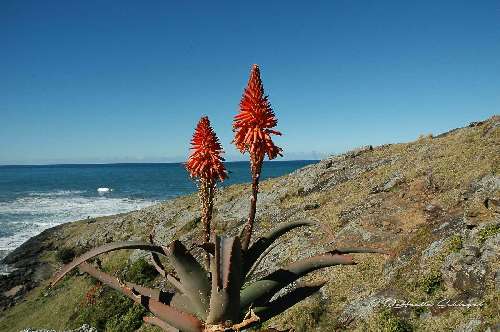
[434, 171]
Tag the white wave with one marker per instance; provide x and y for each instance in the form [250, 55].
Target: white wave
[32, 214]
[104, 190]
[56, 193]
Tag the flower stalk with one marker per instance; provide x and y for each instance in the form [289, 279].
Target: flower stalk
[206, 193]
[255, 168]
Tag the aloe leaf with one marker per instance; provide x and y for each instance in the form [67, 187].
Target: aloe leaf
[161, 270]
[193, 277]
[231, 266]
[257, 262]
[145, 291]
[104, 249]
[286, 301]
[170, 315]
[226, 280]
[156, 260]
[183, 303]
[158, 265]
[176, 318]
[110, 281]
[130, 289]
[176, 283]
[258, 247]
[263, 290]
[161, 324]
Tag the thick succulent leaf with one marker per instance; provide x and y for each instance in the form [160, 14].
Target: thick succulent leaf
[183, 303]
[110, 281]
[193, 277]
[286, 301]
[176, 283]
[158, 265]
[104, 249]
[149, 292]
[226, 280]
[161, 324]
[165, 312]
[174, 317]
[261, 291]
[129, 289]
[156, 260]
[257, 249]
[220, 307]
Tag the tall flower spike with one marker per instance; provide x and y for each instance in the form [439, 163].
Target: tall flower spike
[252, 127]
[205, 161]
[254, 122]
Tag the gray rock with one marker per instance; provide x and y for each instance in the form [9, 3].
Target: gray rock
[464, 274]
[311, 206]
[358, 151]
[493, 328]
[392, 267]
[467, 271]
[434, 248]
[360, 308]
[390, 183]
[83, 328]
[490, 251]
[470, 254]
[471, 326]
[488, 184]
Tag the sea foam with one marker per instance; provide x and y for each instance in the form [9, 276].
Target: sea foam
[29, 215]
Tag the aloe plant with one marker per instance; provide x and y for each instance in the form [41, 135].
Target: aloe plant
[221, 295]
[222, 299]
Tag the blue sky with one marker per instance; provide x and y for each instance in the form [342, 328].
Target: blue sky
[114, 81]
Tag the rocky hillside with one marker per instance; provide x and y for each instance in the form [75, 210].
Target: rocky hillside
[434, 203]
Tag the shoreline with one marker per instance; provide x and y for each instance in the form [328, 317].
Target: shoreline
[58, 195]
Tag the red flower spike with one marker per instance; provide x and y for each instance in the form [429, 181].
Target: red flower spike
[252, 125]
[205, 161]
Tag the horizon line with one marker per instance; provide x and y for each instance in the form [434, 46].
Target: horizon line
[138, 163]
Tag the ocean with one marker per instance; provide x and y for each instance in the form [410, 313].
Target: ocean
[34, 198]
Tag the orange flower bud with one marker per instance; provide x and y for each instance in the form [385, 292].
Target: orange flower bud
[205, 161]
[252, 125]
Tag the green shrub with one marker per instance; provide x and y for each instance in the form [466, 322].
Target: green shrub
[432, 282]
[110, 307]
[140, 272]
[487, 232]
[129, 322]
[455, 243]
[112, 311]
[420, 310]
[65, 255]
[308, 316]
[388, 322]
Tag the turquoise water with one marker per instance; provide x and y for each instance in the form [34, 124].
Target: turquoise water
[34, 198]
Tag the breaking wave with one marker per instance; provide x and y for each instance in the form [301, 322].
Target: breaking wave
[30, 214]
